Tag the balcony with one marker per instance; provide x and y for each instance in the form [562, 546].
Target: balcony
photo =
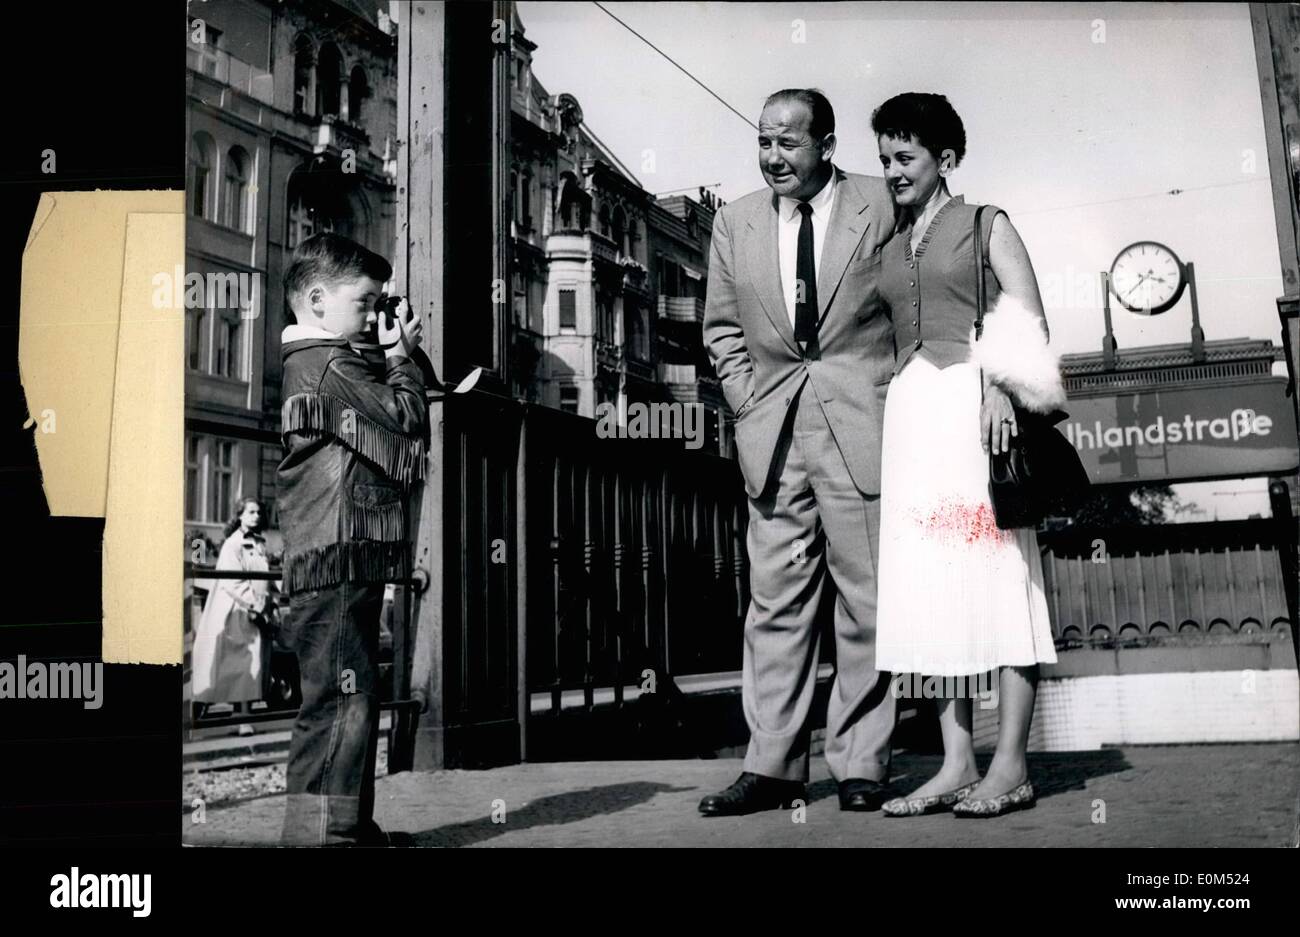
[232, 72]
[681, 308]
[603, 249]
[333, 136]
[686, 374]
[608, 355]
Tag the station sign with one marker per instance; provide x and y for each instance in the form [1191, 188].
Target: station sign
[1183, 434]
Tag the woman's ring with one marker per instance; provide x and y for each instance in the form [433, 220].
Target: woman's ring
[1012, 422]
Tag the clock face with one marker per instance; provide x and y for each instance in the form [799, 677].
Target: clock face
[1147, 278]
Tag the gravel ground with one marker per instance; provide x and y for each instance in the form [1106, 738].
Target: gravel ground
[232, 785]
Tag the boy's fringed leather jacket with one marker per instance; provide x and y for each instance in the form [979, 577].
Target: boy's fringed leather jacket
[355, 443]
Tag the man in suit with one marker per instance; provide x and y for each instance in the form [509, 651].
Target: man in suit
[803, 345]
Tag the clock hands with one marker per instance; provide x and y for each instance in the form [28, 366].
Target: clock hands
[1135, 283]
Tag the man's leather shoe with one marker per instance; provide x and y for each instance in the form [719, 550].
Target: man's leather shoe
[752, 793]
[863, 795]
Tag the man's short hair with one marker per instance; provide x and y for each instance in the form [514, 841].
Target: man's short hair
[330, 258]
[823, 116]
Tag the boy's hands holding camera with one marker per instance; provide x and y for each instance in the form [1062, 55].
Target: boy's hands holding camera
[399, 329]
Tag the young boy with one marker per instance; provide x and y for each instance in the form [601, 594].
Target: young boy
[355, 440]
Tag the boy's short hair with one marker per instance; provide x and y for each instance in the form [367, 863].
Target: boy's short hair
[330, 258]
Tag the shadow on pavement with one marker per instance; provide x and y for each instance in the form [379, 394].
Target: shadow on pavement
[555, 810]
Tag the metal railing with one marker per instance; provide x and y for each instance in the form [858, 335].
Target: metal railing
[406, 711]
[577, 566]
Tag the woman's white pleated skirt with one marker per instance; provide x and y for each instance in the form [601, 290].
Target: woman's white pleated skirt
[957, 596]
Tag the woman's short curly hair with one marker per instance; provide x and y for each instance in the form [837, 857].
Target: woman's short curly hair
[927, 117]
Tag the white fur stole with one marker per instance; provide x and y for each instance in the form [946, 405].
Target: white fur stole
[1013, 352]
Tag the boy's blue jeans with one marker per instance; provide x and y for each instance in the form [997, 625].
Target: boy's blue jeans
[334, 632]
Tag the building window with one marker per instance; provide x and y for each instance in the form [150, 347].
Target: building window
[306, 218]
[521, 185]
[604, 220]
[222, 481]
[358, 88]
[206, 44]
[521, 308]
[303, 65]
[317, 203]
[619, 225]
[569, 196]
[669, 278]
[201, 164]
[329, 76]
[227, 359]
[569, 398]
[195, 320]
[236, 189]
[193, 504]
[536, 306]
[605, 309]
[636, 330]
[521, 300]
[568, 309]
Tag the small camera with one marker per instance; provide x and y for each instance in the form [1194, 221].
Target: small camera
[386, 306]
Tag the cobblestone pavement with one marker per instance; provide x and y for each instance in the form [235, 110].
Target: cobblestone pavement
[1192, 795]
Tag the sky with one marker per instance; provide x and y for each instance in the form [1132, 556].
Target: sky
[1080, 119]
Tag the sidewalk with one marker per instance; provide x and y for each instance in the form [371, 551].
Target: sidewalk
[1192, 795]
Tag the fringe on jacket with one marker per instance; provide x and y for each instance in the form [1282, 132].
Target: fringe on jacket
[353, 561]
[377, 522]
[400, 458]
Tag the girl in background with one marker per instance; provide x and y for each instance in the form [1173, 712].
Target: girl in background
[232, 645]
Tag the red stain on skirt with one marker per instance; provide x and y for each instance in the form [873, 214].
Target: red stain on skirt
[973, 524]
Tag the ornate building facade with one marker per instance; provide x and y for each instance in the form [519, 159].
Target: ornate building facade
[608, 282]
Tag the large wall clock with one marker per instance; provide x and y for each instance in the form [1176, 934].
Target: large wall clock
[1147, 278]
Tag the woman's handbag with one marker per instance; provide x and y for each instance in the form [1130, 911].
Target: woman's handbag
[235, 677]
[1040, 474]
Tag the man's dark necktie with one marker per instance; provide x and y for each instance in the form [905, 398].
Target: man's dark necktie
[805, 297]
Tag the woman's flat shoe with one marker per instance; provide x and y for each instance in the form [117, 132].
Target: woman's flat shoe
[921, 806]
[1021, 798]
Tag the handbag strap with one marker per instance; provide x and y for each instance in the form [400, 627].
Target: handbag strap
[981, 295]
[981, 298]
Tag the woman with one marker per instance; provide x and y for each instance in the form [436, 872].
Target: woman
[958, 596]
[232, 651]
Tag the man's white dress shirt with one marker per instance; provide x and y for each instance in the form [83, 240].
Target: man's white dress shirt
[788, 237]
